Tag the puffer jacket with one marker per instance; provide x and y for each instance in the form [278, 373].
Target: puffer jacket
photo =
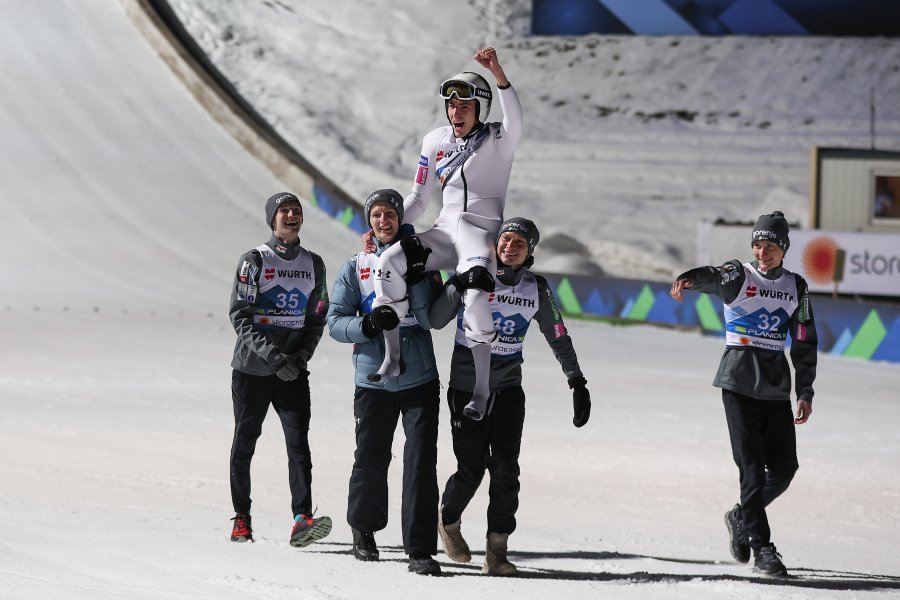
[345, 318]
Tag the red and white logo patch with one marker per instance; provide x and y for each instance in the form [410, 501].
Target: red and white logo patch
[365, 273]
[269, 274]
[751, 291]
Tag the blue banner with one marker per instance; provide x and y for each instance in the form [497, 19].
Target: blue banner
[717, 17]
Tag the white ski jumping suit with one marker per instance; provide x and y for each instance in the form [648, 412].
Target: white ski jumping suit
[474, 176]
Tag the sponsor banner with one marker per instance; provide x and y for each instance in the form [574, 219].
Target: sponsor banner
[846, 262]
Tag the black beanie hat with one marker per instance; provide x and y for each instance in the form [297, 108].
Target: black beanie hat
[391, 197]
[772, 227]
[274, 202]
[524, 227]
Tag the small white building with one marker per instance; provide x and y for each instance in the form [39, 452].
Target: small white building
[855, 190]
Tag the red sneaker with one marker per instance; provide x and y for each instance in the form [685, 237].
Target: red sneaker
[308, 530]
[242, 531]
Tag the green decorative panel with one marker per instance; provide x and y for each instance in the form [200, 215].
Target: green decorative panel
[868, 338]
[567, 297]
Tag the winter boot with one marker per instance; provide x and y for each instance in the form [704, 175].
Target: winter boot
[454, 545]
[768, 562]
[424, 565]
[364, 547]
[308, 530]
[495, 562]
[241, 531]
[740, 543]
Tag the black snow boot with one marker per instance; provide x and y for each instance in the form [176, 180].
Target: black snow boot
[740, 542]
[364, 547]
[768, 562]
[424, 565]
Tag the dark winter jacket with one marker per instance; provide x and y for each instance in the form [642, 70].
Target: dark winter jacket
[755, 372]
[506, 370]
[262, 351]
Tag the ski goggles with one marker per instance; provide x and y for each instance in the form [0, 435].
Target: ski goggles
[463, 90]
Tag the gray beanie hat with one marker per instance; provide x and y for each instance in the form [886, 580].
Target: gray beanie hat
[524, 227]
[275, 201]
[772, 227]
[391, 197]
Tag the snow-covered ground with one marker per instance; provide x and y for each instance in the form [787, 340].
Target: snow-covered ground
[115, 464]
[629, 141]
[124, 210]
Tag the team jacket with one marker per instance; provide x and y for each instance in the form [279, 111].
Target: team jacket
[278, 305]
[473, 172]
[520, 296]
[761, 310]
[352, 296]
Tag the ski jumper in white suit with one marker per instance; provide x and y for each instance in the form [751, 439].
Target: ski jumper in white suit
[474, 175]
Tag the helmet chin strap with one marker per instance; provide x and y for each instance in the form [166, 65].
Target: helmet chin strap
[475, 129]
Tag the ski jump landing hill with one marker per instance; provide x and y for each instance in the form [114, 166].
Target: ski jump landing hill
[120, 192]
[849, 328]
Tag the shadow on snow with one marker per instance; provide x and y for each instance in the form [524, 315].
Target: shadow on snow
[799, 577]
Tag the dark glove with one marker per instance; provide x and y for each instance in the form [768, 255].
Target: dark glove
[416, 257]
[475, 278]
[284, 367]
[581, 401]
[380, 319]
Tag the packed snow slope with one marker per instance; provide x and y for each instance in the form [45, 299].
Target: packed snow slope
[120, 192]
[125, 208]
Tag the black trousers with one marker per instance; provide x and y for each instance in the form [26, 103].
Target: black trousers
[764, 447]
[493, 444]
[376, 413]
[251, 396]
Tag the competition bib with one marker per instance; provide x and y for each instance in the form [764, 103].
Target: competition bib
[512, 308]
[284, 290]
[760, 315]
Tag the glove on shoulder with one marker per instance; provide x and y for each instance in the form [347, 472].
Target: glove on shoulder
[416, 257]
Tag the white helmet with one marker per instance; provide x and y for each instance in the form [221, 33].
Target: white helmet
[469, 86]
